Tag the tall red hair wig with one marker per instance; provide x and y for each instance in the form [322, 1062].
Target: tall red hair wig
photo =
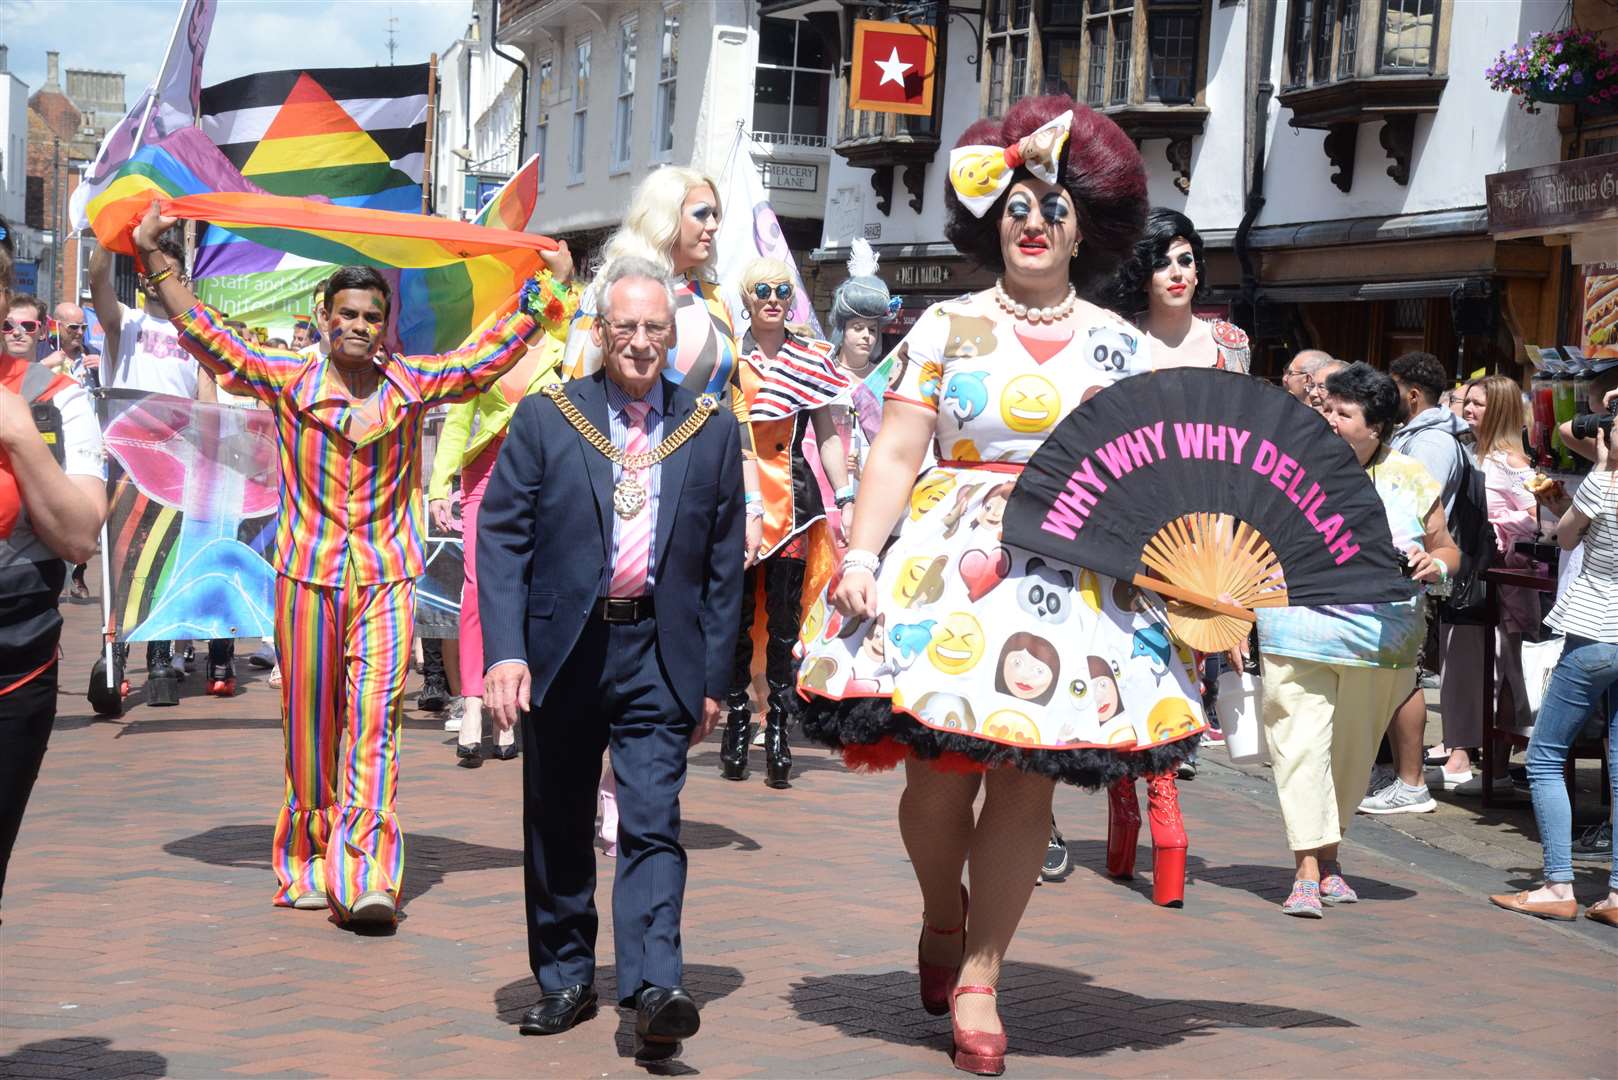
[1102, 173]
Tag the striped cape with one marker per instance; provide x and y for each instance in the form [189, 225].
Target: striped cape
[802, 377]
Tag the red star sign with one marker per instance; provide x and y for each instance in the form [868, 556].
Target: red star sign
[894, 67]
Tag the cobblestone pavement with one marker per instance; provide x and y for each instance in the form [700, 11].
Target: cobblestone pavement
[139, 939]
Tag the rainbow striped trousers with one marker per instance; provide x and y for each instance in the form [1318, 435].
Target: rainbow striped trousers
[344, 654]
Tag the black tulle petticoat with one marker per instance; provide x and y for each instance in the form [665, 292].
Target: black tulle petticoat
[873, 737]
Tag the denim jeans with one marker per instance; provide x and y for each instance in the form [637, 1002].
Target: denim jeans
[1586, 670]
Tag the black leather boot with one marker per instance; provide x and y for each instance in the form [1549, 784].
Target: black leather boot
[162, 681]
[783, 608]
[737, 738]
[777, 751]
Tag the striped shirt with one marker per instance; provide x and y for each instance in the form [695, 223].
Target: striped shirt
[618, 424]
[1586, 609]
[349, 505]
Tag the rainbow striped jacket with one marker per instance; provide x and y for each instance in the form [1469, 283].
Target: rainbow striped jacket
[350, 506]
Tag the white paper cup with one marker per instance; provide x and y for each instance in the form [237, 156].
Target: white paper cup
[1240, 703]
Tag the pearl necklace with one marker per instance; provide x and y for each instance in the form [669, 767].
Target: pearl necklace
[1055, 313]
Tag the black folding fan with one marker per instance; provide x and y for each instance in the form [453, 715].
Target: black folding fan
[1218, 491]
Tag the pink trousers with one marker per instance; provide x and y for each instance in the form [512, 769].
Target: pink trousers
[474, 480]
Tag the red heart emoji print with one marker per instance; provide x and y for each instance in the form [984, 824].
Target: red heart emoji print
[983, 570]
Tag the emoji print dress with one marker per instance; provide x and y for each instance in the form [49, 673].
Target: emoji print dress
[982, 654]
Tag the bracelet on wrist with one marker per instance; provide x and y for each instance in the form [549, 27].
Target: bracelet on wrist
[152, 280]
[856, 559]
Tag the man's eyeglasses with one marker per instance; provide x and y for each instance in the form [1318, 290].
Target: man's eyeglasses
[625, 331]
[763, 289]
[27, 326]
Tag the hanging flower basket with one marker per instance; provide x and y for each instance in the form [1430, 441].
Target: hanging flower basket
[1559, 67]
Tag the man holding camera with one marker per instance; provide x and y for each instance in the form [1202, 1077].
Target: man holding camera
[52, 502]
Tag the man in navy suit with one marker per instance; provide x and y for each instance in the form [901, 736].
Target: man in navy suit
[611, 594]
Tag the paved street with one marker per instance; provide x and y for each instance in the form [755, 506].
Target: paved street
[139, 939]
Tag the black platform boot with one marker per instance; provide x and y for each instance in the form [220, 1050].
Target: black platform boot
[434, 693]
[737, 738]
[783, 605]
[162, 681]
[777, 751]
[222, 667]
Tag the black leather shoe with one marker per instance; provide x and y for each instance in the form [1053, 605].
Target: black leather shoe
[559, 1011]
[663, 1016]
[468, 757]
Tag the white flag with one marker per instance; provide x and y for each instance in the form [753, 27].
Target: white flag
[748, 229]
[170, 103]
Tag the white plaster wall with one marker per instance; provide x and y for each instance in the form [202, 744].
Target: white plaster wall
[14, 140]
[1476, 131]
[1217, 170]
[850, 202]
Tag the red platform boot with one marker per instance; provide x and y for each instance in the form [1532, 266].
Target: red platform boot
[1123, 827]
[1168, 841]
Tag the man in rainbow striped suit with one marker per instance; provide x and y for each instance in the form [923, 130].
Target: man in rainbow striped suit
[348, 550]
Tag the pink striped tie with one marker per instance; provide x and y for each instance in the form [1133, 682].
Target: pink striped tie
[634, 534]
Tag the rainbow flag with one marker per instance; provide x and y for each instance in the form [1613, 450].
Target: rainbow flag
[184, 163]
[512, 207]
[452, 274]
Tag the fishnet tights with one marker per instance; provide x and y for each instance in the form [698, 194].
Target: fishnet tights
[1001, 851]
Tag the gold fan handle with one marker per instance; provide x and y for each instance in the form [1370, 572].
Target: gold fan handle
[1190, 596]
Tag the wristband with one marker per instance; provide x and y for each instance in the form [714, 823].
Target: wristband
[855, 559]
[753, 509]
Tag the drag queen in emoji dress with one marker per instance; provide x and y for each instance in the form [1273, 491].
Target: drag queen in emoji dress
[974, 664]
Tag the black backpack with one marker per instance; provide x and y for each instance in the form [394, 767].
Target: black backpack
[1469, 524]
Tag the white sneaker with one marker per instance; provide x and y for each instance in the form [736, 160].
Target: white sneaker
[1399, 798]
[454, 713]
[1445, 780]
[1381, 777]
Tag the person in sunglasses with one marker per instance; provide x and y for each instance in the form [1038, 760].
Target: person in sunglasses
[78, 363]
[52, 502]
[787, 381]
[71, 357]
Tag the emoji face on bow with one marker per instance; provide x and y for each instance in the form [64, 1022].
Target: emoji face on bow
[957, 645]
[979, 173]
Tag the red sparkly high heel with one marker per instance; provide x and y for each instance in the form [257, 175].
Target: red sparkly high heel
[938, 979]
[1123, 828]
[1168, 840]
[977, 1052]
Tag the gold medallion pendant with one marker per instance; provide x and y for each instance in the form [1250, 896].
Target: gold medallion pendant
[629, 497]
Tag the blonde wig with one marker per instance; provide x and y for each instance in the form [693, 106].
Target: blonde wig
[652, 222]
[761, 270]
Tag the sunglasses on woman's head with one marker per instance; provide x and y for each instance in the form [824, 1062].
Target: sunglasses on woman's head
[762, 290]
[27, 326]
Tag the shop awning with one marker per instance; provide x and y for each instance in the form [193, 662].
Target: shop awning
[1340, 292]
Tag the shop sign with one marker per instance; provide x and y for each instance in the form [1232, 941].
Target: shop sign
[1599, 336]
[1553, 198]
[783, 176]
[914, 275]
